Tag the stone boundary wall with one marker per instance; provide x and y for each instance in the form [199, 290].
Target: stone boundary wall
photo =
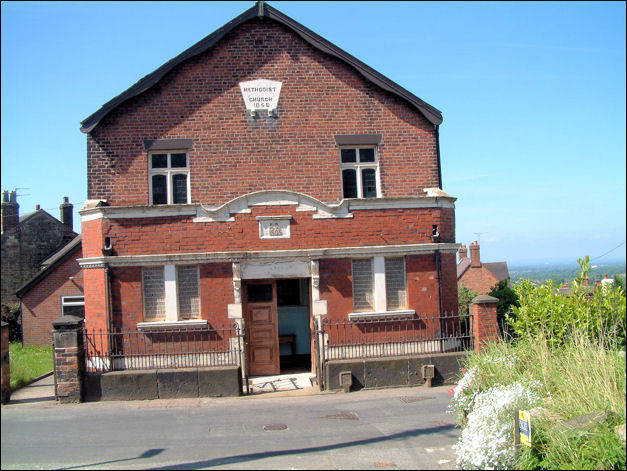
[375, 373]
[131, 385]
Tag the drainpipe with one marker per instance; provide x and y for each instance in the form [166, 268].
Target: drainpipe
[438, 265]
[437, 146]
[438, 269]
[108, 311]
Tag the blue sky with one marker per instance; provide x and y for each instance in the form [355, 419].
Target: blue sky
[532, 94]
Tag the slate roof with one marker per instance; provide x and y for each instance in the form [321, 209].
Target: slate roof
[261, 10]
[462, 266]
[50, 264]
[27, 216]
[498, 269]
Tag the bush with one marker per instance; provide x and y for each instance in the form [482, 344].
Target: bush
[464, 298]
[11, 315]
[507, 300]
[596, 313]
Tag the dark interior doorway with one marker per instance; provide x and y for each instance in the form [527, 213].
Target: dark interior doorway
[294, 321]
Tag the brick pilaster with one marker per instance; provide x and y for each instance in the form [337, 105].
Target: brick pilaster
[69, 358]
[484, 324]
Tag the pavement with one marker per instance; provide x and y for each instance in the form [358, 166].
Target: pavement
[41, 391]
[38, 392]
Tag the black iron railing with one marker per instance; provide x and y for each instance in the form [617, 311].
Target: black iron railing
[163, 348]
[385, 337]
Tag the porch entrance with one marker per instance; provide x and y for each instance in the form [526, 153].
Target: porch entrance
[278, 326]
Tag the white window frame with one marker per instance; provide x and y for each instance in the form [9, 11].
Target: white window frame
[171, 293]
[65, 301]
[359, 166]
[169, 172]
[380, 293]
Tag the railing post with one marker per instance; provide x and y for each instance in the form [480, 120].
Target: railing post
[484, 324]
[6, 364]
[69, 358]
[241, 343]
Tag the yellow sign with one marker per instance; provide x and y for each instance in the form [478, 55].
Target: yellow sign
[524, 424]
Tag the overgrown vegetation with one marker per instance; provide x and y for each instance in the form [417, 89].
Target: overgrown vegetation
[567, 361]
[28, 363]
[464, 298]
[11, 315]
[595, 313]
[508, 299]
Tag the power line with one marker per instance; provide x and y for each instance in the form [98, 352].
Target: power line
[622, 243]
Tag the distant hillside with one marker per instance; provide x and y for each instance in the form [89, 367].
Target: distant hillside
[567, 271]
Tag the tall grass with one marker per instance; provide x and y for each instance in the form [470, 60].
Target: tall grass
[28, 363]
[578, 378]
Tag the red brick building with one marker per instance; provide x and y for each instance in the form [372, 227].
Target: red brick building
[265, 177]
[476, 275]
[55, 291]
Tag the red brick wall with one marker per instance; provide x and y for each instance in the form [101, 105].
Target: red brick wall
[234, 154]
[126, 297]
[336, 287]
[216, 291]
[95, 299]
[42, 304]
[448, 269]
[181, 234]
[479, 279]
[484, 323]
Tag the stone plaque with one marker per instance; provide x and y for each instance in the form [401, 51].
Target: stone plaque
[261, 94]
[274, 229]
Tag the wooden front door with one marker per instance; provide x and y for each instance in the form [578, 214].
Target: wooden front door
[262, 330]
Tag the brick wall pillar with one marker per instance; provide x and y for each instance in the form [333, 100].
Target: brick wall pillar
[69, 358]
[484, 324]
[6, 364]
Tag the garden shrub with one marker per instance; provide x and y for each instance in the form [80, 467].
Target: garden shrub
[596, 313]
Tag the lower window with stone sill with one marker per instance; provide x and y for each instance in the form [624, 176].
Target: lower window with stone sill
[171, 296]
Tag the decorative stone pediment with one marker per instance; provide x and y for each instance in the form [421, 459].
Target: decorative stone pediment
[243, 204]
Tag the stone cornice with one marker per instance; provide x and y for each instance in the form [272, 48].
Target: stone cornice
[434, 198]
[238, 256]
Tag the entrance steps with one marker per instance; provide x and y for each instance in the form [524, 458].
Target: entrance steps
[284, 382]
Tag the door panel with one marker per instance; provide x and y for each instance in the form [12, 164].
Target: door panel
[262, 328]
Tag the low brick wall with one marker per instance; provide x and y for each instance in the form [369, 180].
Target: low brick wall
[162, 384]
[393, 371]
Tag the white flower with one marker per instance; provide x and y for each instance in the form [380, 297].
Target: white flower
[487, 440]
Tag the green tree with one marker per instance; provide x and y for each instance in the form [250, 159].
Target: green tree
[464, 297]
[506, 295]
[507, 299]
[619, 282]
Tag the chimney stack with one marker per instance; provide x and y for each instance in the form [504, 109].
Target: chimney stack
[475, 260]
[67, 210]
[462, 252]
[10, 211]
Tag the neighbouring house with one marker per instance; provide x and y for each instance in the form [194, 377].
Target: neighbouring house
[264, 178]
[55, 291]
[476, 275]
[27, 241]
